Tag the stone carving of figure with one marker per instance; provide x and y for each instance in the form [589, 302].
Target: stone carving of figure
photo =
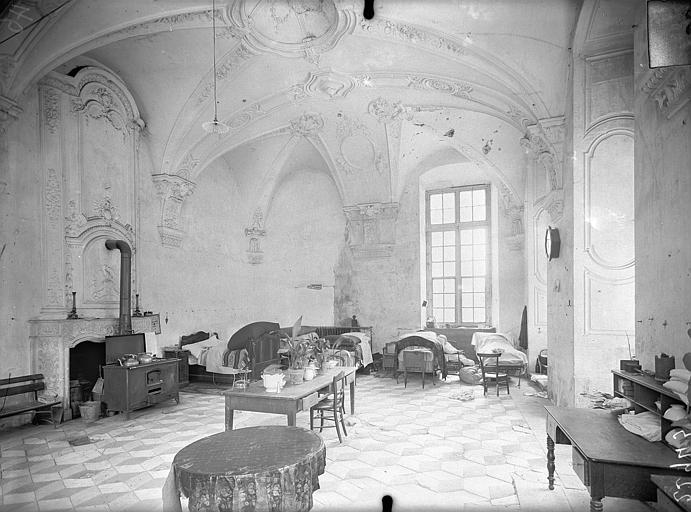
[106, 286]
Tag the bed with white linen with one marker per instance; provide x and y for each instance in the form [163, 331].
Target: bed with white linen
[511, 360]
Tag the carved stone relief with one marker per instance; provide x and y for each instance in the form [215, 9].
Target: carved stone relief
[669, 88]
[516, 239]
[255, 233]
[307, 125]
[452, 87]
[172, 191]
[370, 229]
[51, 109]
[387, 112]
[356, 147]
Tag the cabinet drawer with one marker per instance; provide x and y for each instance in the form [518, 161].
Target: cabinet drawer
[580, 467]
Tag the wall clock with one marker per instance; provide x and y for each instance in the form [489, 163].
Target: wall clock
[552, 243]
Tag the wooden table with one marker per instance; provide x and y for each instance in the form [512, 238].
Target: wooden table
[253, 468]
[673, 493]
[609, 460]
[289, 401]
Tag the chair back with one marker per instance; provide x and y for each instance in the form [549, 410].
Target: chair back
[489, 363]
[414, 360]
[339, 388]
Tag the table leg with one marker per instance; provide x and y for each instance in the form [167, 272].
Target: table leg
[596, 505]
[291, 419]
[352, 397]
[229, 419]
[550, 463]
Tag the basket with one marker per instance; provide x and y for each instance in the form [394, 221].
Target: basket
[90, 411]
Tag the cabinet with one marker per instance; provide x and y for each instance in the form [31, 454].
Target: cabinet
[127, 388]
[644, 391]
[183, 364]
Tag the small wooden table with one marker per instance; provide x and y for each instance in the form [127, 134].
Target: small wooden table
[253, 468]
[290, 400]
[609, 460]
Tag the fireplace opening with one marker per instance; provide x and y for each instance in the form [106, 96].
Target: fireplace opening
[86, 360]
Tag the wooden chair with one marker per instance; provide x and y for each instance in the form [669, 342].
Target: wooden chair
[454, 366]
[333, 403]
[414, 362]
[491, 370]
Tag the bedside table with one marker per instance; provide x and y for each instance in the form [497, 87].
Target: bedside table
[183, 363]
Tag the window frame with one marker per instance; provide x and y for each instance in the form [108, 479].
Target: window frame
[456, 226]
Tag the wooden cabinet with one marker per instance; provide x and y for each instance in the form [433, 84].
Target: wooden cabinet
[127, 388]
[183, 364]
[644, 391]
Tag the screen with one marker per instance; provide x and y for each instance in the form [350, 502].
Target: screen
[118, 346]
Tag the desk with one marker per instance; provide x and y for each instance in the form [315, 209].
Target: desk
[289, 401]
[609, 460]
[254, 468]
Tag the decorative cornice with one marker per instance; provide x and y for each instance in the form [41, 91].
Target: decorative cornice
[452, 87]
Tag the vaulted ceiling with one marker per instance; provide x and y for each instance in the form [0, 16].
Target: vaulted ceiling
[422, 83]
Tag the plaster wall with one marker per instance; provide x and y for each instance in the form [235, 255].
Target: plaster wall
[20, 199]
[662, 198]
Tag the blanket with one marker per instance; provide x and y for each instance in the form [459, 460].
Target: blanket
[425, 339]
[487, 342]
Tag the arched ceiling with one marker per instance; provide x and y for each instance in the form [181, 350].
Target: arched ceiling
[356, 89]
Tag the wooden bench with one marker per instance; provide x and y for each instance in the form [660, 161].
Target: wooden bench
[50, 410]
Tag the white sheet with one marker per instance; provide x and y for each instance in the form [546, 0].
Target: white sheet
[197, 349]
[490, 341]
[365, 345]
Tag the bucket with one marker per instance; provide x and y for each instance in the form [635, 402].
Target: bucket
[90, 411]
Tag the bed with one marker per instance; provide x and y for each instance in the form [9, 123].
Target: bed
[248, 351]
[512, 360]
[256, 346]
[439, 354]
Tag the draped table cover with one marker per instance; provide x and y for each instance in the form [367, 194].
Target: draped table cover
[272, 468]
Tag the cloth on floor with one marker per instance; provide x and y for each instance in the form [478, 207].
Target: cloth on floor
[463, 396]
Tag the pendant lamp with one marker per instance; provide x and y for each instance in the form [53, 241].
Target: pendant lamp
[215, 126]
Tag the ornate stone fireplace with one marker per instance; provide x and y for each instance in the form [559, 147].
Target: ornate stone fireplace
[51, 341]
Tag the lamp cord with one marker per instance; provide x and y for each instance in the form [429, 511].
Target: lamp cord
[213, 24]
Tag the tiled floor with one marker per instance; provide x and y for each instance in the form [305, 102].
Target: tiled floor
[427, 449]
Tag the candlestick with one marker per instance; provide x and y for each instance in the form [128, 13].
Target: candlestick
[73, 314]
[137, 312]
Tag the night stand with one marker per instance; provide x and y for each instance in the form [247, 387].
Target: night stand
[183, 363]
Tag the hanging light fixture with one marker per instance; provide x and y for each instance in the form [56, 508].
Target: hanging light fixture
[215, 126]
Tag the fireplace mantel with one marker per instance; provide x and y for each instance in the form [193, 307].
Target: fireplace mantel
[51, 341]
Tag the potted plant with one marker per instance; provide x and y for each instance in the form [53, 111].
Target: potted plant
[298, 353]
[319, 349]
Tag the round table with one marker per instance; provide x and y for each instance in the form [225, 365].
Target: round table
[251, 469]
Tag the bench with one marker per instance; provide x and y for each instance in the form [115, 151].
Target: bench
[50, 410]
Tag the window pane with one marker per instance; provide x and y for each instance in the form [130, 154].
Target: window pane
[450, 253]
[449, 216]
[466, 268]
[437, 285]
[449, 286]
[479, 212]
[479, 252]
[465, 214]
[435, 217]
[435, 201]
[437, 238]
[467, 299]
[478, 300]
[479, 284]
[449, 238]
[449, 300]
[467, 315]
[449, 316]
[437, 254]
[449, 269]
[438, 300]
[466, 236]
[479, 268]
[438, 313]
[466, 252]
[467, 284]
[479, 197]
[465, 198]
[437, 269]
[479, 315]
[479, 235]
